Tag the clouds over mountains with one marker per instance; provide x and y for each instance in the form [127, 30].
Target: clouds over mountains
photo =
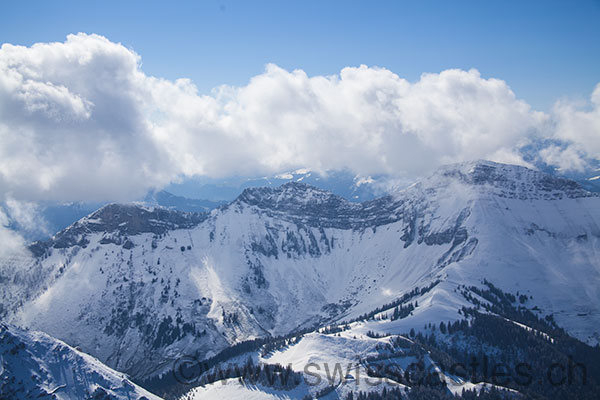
[79, 120]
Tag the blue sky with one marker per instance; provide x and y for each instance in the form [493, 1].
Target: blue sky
[543, 49]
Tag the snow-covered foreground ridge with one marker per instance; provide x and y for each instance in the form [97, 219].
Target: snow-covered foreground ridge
[138, 287]
[33, 365]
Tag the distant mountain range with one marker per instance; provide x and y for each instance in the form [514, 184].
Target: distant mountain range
[205, 194]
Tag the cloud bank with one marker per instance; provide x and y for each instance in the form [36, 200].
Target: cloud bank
[79, 120]
[11, 243]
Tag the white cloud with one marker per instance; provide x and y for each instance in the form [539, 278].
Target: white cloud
[366, 119]
[567, 158]
[72, 123]
[578, 125]
[26, 215]
[79, 120]
[11, 243]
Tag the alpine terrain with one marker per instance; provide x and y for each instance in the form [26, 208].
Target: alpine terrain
[477, 260]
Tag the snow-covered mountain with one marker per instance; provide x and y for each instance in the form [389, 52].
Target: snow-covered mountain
[137, 287]
[342, 182]
[34, 365]
[46, 218]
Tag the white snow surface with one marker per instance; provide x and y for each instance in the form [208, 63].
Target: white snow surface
[336, 361]
[40, 366]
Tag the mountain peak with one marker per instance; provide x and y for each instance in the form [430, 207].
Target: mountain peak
[132, 219]
[480, 171]
[301, 203]
[291, 194]
[506, 180]
[123, 220]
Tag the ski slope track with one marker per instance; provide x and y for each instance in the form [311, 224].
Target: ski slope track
[137, 287]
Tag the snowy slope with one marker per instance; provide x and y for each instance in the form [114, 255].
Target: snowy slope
[139, 287]
[337, 364]
[34, 365]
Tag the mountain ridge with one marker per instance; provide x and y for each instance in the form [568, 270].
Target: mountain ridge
[249, 269]
[35, 365]
[298, 197]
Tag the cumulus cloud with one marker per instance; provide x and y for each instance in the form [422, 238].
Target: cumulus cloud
[366, 119]
[578, 127]
[72, 122]
[79, 120]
